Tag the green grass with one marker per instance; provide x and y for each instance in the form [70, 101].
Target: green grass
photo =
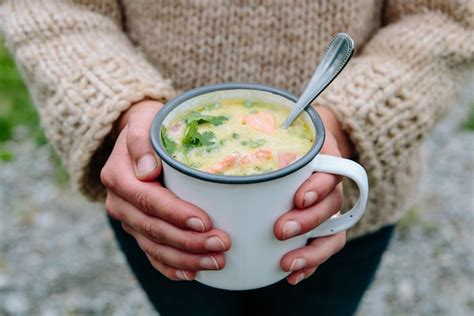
[16, 109]
[469, 123]
[406, 223]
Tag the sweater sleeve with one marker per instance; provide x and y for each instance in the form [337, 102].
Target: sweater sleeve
[404, 79]
[82, 72]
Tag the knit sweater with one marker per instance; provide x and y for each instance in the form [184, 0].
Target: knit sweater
[87, 61]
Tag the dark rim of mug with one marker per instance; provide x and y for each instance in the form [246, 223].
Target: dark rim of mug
[279, 173]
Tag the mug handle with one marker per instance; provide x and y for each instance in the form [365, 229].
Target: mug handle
[352, 170]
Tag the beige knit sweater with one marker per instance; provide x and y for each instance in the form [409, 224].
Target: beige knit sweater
[87, 61]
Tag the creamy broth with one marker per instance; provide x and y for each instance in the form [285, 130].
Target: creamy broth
[236, 137]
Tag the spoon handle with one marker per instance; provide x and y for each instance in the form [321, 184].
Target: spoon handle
[337, 55]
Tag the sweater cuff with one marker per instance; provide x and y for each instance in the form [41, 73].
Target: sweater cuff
[361, 99]
[79, 99]
[95, 147]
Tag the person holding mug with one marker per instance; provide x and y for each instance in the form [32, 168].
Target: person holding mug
[99, 72]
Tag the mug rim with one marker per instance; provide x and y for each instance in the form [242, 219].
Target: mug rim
[155, 132]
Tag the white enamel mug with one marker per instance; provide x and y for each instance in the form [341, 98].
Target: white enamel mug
[247, 207]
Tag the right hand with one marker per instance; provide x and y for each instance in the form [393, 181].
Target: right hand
[177, 237]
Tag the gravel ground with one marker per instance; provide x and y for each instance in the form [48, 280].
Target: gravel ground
[58, 257]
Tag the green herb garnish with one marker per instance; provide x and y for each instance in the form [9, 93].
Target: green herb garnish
[248, 104]
[235, 136]
[192, 138]
[200, 118]
[168, 143]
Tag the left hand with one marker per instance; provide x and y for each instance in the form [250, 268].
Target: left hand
[317, 199]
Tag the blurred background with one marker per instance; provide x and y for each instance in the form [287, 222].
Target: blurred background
[58, 256]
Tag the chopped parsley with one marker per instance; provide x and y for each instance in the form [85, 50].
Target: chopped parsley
[168, 143]
[200, 118]
[192, 137]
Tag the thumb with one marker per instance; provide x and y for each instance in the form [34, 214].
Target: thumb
[146, 163]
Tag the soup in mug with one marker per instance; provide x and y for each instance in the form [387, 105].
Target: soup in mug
[236, 137]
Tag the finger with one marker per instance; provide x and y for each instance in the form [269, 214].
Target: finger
[314, 254]
[319, 185]
[176, 258]
[164, 233]
[297, 222]
[168, 271]
[172, 273]
[298, 276]
[149, 197]
[146, 163]
[315, 189]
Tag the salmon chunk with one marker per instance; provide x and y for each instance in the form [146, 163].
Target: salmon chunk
[286, 157]
[263, 154]
[245, 159]
[261, 121]
[255, 157]
[225, 164]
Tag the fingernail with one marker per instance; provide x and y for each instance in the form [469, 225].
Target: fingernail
[297, 264]
[182, 275]
[299, 278]
[290, 229]
[146, 164]
[209, 263]
[214, 243]
[309, 198]
[196, 224]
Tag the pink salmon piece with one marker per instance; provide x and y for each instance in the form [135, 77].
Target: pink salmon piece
[225, 164]
[285, 158]
[261, 121]
[255, 157]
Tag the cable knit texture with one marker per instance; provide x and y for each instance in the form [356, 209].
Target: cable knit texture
[85, 62]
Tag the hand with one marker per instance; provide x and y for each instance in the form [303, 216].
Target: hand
[316, 200]
[177, 237]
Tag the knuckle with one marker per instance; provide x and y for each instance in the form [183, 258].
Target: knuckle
[105, 176]
[153, 252]
[134, 133]
[150, 229]
[112, 208]
[191, 244]
[126, 228]
[135, 137]
[108, 203]
[108, 178]
[157, 265]
[315, 219]
[175, 213]
[143, 201]
[157, 254]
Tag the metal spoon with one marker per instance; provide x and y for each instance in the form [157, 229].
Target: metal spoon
[337, 55]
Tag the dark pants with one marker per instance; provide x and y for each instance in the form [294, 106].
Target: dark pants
[336, 287]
